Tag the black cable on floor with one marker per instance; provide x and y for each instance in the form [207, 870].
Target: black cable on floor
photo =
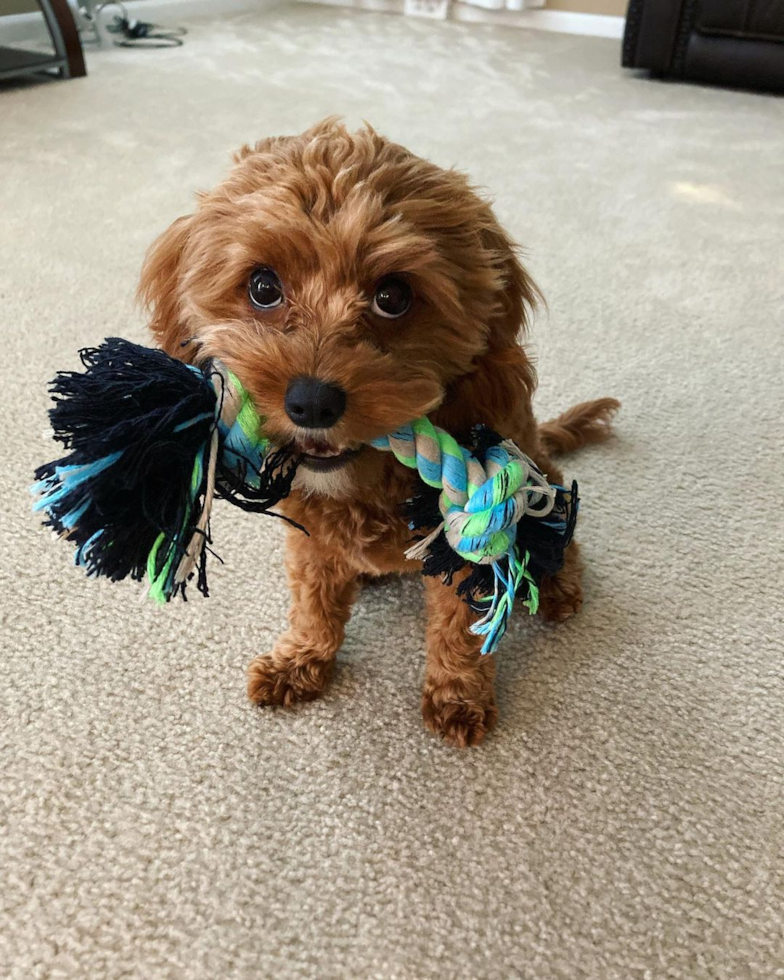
[129, 33]
[140, 34]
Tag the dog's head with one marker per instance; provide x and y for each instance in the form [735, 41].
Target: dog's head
[350, 285]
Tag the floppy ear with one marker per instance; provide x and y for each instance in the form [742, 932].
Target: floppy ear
[519, 295]
[499, 388]
[159, 287]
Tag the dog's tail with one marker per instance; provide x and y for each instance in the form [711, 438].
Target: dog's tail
[578, 426]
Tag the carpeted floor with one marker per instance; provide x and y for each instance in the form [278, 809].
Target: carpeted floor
[624, 823]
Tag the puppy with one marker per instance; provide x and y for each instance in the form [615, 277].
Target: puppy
[353, 287]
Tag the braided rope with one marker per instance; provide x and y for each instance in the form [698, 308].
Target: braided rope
[481, 505]
[244, 444]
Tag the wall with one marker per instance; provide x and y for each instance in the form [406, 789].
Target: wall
[616, 8]
[17, 6]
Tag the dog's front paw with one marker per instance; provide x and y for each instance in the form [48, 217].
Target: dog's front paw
[460, 721]
[285, 681]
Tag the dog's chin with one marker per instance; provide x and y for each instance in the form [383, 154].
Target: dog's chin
[325, 470]
[329, 483]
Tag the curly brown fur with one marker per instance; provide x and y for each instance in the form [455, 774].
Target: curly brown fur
[332, 212]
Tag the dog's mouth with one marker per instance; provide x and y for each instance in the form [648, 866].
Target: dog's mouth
[314, 454]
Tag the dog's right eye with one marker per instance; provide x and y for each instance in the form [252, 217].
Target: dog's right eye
[264, 289]
[392, 298]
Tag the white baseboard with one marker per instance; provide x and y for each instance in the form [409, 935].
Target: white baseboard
[21, 28]
[560, 21]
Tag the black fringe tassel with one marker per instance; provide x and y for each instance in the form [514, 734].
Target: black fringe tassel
[134, 422]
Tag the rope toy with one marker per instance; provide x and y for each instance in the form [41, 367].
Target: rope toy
[152, 442]
[482, 508]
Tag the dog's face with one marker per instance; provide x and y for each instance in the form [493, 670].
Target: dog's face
[347, 283]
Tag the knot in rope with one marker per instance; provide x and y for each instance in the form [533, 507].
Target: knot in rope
[481, 503]
[481, 506]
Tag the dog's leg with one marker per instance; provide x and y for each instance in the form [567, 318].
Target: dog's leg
[561, 595]
[301, 663]
[458, 700]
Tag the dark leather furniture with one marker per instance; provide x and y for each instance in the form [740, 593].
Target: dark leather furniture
[729, 42]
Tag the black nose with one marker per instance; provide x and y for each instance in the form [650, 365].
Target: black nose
[314, 404]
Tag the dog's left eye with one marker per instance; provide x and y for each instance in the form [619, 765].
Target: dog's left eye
[392, 298]
[264, 288]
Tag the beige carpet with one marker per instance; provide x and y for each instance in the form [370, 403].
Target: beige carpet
[625, 821]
